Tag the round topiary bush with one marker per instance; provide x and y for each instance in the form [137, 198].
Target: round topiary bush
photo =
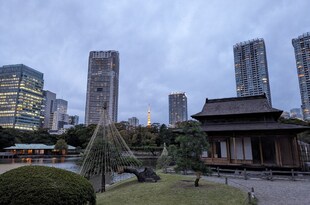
[44, 185]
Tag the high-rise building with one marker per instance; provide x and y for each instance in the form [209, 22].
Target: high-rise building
[60, 116]
[102, 85]
[61, 105]
[285, 115]
[59, 120]
[296, 113]
[302, 55]
[21, 96]
[133, 121]
[73, 120]
[49, 107]
[177, 108]
[251, 69]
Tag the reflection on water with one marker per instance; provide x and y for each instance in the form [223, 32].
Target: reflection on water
[70, 164]
[67, 163]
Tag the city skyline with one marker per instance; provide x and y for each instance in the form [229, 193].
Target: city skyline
[165, 46]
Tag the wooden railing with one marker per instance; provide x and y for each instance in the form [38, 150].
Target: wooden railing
[268, 174]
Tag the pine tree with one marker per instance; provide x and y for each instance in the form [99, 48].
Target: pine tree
[192, 142]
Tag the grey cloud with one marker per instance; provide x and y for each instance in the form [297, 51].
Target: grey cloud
[164, 46]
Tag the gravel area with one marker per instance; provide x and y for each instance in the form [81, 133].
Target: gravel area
[277, 192]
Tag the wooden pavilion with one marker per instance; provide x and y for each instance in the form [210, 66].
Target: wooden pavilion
[245, 131]
[37, 149]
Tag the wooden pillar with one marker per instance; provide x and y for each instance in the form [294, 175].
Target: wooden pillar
[212, 151]
[235, 153]
[243, 148]
[261, 150]
[278, 153]
[295, 152]
[279, 149]
[228, 150]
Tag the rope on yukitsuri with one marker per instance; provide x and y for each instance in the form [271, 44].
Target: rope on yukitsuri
[107, 153]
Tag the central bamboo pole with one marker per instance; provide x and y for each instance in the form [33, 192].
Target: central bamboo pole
[103, 182]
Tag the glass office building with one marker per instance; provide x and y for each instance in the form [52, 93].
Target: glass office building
[21, 96]
[251, 70]
[302, 55]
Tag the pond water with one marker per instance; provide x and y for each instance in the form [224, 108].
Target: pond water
[69, 163]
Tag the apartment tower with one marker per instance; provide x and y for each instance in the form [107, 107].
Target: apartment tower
[177, 108]
[251, 70]
[102, 85]
[302, 55]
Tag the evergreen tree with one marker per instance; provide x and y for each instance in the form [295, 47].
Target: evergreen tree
[62, 146]
[192, 142]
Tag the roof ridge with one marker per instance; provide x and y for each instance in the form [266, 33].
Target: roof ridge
[229, 99]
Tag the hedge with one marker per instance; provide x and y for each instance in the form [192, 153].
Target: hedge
[37, 185]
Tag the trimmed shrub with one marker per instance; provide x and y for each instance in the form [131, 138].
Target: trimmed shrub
[37, 185]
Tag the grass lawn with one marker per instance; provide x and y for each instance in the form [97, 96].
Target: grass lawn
[171, 190]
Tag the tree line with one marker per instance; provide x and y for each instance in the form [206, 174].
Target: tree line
[304, 136]
[10, 136]
[154, 136]
[79, 136]
[136, 137]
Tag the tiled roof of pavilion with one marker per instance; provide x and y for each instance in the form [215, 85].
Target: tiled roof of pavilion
[35, 146]
[250, 106]
[236, 106]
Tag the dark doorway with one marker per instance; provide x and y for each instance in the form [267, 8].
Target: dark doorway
[218, 149]
[269, 153]
[255, 150]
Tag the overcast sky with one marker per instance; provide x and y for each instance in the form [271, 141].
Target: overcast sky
[164, 45]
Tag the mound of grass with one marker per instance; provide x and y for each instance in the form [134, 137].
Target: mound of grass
[44, 185]
[171, 190]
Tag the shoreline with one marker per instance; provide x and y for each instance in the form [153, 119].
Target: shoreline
[67, 163]
[9, 167]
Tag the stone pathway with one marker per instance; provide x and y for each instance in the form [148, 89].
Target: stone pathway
[277, 192]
